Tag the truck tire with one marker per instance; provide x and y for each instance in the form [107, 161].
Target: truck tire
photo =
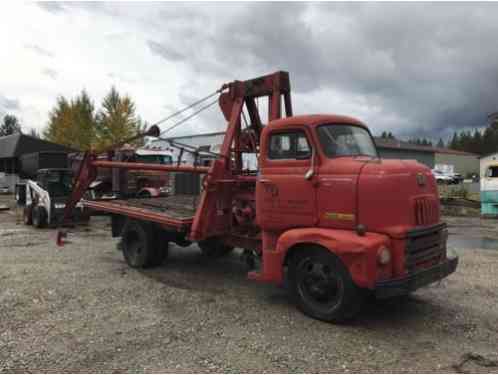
[27, 219]
[322, 287]
[141, 246]
[214, 248]
[39, 216]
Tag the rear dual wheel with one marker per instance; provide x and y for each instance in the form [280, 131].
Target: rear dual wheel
[143, 245]
[322, 287]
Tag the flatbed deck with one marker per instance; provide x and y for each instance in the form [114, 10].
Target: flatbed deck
[176, 211]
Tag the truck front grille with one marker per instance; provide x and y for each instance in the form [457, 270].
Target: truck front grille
[425, 247]
[426, 211]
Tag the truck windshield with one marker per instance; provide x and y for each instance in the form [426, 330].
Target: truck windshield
[345, 140]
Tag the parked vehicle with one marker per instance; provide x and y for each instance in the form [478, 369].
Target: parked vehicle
[489, 191]
[134, 183]
[323, 211]
[442, 178]
[43, 194]
[457, 178]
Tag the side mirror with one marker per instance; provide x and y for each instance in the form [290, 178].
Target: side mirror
[309, 174]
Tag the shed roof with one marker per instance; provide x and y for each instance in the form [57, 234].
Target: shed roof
[402, 145]
[396, 144]
[14, 145]
[488, 154]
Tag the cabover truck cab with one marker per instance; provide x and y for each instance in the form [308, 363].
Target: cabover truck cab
[323, 212]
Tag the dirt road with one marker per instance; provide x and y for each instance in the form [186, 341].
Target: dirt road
[81, 309]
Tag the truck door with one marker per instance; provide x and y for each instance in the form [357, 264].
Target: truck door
[285, 199]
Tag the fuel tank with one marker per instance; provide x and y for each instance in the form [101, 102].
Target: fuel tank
[396, 195]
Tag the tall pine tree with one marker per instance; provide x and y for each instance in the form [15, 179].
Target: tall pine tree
[72, 123]
[10, 125]
[117, 120]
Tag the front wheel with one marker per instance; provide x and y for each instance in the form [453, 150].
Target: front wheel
[322, 286]
[39, 216]
[27, 215]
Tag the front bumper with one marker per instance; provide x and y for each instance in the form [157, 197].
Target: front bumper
[405, 285]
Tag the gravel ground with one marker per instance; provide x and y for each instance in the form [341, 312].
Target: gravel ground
[81, 309]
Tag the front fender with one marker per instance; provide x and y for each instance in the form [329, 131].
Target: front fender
[358, 253]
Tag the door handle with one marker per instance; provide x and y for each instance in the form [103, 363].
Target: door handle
[264, 180]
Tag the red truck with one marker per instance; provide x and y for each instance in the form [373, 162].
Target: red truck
[135, 183]
[323, 214]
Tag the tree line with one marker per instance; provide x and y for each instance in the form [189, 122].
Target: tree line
[415, 141]
[478, 141]
[11, 125]
[76, 122]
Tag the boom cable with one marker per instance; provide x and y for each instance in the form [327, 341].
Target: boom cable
[190, 116]
[186, 108]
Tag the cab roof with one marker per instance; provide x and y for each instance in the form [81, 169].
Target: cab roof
[314, 120]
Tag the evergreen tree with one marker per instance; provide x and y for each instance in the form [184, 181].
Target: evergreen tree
[60, 125]
[10, 125]
[72, 123]
[84, 120]
[440, 143]
[454, 141]
[116, 120]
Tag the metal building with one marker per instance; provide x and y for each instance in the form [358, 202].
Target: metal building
[396, 149]
[15, 145]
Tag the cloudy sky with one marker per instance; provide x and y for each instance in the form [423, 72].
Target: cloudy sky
[413, 69]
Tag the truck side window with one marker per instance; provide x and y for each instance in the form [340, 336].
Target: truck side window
[289, 145]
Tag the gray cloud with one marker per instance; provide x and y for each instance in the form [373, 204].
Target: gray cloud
[414, 68]
[50, 73]
[39, 50]
[7, 104]
[167, 53]
[430, 68]
[51, 6]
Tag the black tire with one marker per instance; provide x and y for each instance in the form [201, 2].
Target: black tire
[161, 248]
[27, 219]
[322, 286]
[141, 245]
[39, 216]
[214, 248]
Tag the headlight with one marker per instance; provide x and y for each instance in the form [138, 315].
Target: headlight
[60, 205]
[383, 255]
